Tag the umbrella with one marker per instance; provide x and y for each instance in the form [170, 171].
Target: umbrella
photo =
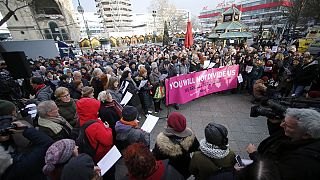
[188, 39]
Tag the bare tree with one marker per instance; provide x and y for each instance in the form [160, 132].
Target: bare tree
[168, 12]
[20, 4]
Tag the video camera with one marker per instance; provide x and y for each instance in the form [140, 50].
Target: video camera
[277, 108]
[5, 130]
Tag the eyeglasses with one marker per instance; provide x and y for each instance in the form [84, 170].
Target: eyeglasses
[67, 95]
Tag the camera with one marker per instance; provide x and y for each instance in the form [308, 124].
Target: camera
[5, 130]
[277, 108]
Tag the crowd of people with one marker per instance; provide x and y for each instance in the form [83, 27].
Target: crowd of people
[80, 116]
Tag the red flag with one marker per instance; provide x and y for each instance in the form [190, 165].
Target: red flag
[188, 41]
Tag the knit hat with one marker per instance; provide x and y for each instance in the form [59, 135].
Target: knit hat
[6, 107]
[216, 134]
[177, 125]
[129, 113]
[58, 153]
[86, 91]
[80, 168]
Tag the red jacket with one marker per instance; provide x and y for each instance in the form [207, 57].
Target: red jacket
[87, 109]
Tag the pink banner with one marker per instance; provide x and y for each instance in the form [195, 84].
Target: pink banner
[184, 88]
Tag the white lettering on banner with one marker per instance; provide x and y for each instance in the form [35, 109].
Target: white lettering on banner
[201, 78]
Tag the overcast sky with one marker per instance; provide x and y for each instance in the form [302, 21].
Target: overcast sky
[141, 6]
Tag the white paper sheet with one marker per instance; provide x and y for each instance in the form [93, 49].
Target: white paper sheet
[126, 98]
[247, 162]
[267, 68]
[125, 87]
[240, 78]
[274, 48]
[211, 65]
[109, 160]
[249, 69]
[206, 64]
[149, 124]
[142, 83]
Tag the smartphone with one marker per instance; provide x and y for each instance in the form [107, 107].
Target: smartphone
[239, 161]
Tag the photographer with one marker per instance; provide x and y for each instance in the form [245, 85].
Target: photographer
[294, 147]
[28, 163]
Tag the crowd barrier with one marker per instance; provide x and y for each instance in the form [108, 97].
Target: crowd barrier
[184, 88]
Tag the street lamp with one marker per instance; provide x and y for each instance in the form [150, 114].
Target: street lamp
[81, 11]
[154, 14]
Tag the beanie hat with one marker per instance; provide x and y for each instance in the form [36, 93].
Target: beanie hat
[216, 134]
[58, 153]
[129, 113]
[6, 107]
[80, 168]
[177, 122]
[86, 91]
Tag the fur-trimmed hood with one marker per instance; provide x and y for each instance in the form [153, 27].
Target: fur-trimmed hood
[171, 146]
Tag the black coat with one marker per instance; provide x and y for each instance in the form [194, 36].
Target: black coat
[177, 150]
[108, 114]
[306, 74]
[97, 86]
[29, 164]
[295, 159]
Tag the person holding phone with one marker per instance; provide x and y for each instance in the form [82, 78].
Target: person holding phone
[215, 155]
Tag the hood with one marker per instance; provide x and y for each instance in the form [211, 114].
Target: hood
[87, 109]
[119, 127]
[46, 89]
[259, 81]
[166, 146]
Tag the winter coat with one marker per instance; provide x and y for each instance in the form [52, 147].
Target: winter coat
[127, 135]
[177, 150]
[259, 89]
[52, 128]
[295, 160]
[256, 72]
[43, 94]
[306, 74]
[133, 89]
[68, 111]
[29, 165]
[202, 166]
[108, 114]
[144, 94]
[116, 95]
[97, 133]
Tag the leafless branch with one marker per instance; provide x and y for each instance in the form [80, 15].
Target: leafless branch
[6, 4]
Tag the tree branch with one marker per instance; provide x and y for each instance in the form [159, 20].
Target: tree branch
[6, 4]
[20, 7]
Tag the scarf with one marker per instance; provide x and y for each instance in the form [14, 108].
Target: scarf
[129, 123]
[213, 151]
[56, 124]
[38, 87]
[115, 105]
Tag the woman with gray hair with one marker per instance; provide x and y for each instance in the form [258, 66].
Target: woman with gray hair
[295, 147]
[50, 121]
[96, 82]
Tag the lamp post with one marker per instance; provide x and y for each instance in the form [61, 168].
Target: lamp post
[81, 11]
[154, 14]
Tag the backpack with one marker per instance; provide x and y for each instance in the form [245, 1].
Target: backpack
[83, 143]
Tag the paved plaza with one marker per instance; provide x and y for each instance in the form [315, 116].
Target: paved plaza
[231, 110]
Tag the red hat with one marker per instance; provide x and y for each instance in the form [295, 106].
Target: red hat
[177, 122]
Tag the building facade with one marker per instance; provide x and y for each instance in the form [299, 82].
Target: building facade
[116, 15]
[94, 22]
[268, 13]
[44, 19]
